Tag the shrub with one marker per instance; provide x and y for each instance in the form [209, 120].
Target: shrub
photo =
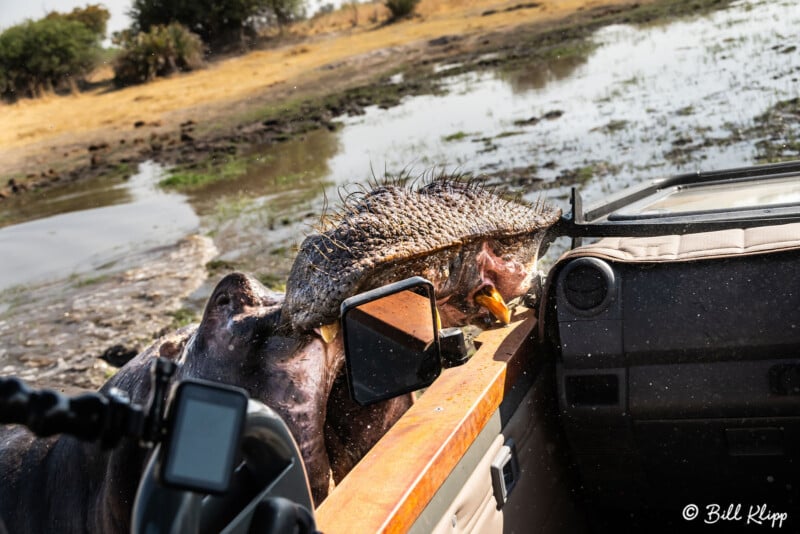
[93, 16]
[401, 8]
[217, 22]
[47, 54]
[159, 52]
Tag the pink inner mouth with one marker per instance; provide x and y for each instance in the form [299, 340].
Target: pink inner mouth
[509, 277]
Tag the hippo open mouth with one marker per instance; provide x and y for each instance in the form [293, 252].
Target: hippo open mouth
[468, 241]
[479, 251]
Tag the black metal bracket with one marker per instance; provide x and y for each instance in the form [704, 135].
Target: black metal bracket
[597, 222]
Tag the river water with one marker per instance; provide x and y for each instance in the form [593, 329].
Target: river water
[634, 103]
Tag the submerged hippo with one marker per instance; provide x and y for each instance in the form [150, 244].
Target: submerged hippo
[476, 248]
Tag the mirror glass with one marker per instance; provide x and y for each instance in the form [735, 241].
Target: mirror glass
[391, 340]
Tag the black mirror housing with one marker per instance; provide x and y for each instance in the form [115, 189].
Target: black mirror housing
[391, 340]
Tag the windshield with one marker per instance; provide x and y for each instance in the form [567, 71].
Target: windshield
[720, 197]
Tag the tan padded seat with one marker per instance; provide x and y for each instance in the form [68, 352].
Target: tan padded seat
[689, 247]
[679, 248]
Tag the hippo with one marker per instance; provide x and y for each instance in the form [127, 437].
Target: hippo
[479, 251]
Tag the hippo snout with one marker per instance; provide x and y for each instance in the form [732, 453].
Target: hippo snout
[239, 318]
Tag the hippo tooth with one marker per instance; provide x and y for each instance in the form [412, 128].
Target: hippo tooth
[493, 301]
[328, 332]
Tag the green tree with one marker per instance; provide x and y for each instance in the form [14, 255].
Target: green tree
[217, 22]
[44, 55]
[93, 16]
[284, 11]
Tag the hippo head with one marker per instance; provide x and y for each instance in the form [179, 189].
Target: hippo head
[239, 317]
[476, 248]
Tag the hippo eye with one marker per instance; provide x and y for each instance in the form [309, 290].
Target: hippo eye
[223, 300]
[455, 264]
[505, 243]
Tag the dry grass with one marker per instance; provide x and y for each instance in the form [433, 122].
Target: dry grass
[37, 125]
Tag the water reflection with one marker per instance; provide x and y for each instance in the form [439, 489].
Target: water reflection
[632, 103]
[278, 175]
[130, 218]
[93, 193]
[257, 218]
[641, 102]
[537, 75]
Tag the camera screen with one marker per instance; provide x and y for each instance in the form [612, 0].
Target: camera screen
[205, 434]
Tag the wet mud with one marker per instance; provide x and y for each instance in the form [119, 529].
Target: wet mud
[54, 335]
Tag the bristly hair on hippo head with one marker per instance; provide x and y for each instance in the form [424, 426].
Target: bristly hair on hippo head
[475, 246]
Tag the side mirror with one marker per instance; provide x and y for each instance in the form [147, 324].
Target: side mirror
[391, 340]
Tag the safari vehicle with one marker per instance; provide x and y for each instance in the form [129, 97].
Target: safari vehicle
[654, 384]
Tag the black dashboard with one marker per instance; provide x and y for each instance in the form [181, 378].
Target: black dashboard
[680, 379]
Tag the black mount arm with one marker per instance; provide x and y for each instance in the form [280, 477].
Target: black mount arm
[89, 417]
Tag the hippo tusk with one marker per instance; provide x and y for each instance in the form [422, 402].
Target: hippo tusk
[328, 332]
[491, 299]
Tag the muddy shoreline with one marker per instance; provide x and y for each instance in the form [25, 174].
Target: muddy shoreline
[54, 334]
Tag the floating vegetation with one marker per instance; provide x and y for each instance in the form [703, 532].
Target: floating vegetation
[210, 172]
[272, 281]
[501, 135]
[220, 266]
[779, 130]
[612, 127]
[458, 136]
[182, 317]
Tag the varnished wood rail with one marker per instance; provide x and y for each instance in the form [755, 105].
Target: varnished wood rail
[394, 482]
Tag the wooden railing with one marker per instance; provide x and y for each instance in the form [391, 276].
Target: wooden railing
[393, 483]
